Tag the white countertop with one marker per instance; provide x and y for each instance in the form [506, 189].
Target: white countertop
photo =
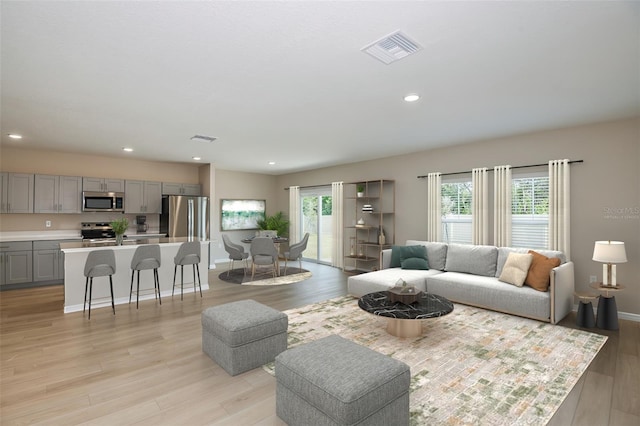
[81, 246]
[59, 235]
[40, 235]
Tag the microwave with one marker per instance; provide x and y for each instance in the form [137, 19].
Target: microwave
[102, 201]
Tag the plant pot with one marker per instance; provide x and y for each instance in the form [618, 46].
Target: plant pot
[119, 239]
[360, 194]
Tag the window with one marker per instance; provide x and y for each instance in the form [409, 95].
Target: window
[530, 212]
[456, 212]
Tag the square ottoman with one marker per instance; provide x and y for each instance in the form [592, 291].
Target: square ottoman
[334, 381]
[243, 335]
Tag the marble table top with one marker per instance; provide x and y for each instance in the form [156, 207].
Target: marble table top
[428, 306]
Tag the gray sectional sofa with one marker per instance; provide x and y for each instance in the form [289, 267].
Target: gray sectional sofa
[468, 274]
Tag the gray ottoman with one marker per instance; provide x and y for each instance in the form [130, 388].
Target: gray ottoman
[333, 381]
[243, 335]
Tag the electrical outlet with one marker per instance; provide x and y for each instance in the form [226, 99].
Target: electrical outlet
[47, 224]
[593, 279]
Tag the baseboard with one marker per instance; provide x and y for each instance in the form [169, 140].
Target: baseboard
[621, 315]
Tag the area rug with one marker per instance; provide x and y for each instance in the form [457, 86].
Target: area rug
[237, 276]
[472, 366]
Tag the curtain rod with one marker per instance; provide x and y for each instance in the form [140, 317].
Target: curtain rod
[309, 186]
[490, 170]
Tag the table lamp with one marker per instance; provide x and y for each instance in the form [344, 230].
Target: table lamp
[609, 252]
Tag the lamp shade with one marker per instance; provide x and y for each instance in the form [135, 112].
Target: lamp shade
[609, 252]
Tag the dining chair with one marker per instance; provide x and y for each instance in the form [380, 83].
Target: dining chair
[295, 252]
[236, 252]
[263, 253]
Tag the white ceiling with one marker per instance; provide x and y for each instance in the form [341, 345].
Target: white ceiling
[287, 82]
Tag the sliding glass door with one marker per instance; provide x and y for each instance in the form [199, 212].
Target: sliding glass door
[316, 220]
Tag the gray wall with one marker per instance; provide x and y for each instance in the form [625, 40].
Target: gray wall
[238, 185]
[605, 189]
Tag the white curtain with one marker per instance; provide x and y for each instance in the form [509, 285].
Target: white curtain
[502, 206]
[559, 206]
[294, 214]
[337, 221]
[480, 208]
[434, 206]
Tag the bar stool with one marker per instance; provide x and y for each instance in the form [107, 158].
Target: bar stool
[146, 257]
[99, 263]
[188, 254]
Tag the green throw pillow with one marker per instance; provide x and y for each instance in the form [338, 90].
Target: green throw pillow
[414, 263]
[398, 253]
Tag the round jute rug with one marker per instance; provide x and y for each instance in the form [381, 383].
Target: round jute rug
[237, 276]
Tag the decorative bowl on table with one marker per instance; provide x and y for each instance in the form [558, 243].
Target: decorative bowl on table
[405, 294]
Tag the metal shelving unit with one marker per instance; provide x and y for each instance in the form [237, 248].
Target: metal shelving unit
[364, 217]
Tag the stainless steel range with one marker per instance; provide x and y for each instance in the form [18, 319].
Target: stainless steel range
[97, 231]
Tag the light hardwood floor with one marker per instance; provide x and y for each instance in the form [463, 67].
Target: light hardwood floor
[146, 366]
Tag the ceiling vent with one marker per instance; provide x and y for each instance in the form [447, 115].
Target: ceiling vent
[203, 138]
[392, 47]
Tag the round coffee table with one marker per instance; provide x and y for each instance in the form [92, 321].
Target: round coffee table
[405, 320]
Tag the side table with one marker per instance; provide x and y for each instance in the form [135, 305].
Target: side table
[585, 317]
[607, 318]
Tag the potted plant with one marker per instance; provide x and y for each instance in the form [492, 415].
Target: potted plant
[360, 190]
[276, 222]
[119, 226]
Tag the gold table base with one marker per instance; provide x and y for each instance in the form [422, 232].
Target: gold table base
[404, 327]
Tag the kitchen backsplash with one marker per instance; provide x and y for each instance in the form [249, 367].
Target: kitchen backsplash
[59, 222]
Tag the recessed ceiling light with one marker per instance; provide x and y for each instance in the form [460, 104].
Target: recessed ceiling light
[412, 97]
[197, 158]
[272, 163]
[15, 136]
[124, 148]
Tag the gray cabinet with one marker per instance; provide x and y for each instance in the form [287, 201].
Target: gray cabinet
[142, 197]
[102, 184]
[57, 194]
[16, 262]
[17, 193]
[48, 261]
[169, 188]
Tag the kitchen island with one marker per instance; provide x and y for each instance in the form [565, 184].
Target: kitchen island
[75, 255]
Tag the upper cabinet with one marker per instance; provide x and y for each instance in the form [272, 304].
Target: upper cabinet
[57, 194]
[16, 193]
[169, 188]
[142, 197]
[102, 184]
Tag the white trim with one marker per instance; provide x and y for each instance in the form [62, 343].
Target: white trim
[621, 315]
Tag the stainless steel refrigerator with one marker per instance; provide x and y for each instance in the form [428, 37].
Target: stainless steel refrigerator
[185, 216]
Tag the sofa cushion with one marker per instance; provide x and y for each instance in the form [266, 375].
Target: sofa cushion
[541, 266]
[516, 268]
[490, 293]
[436, 253]
[472, 259]
[398, 253]
[503, 253]
[414, 263]
[384, 279]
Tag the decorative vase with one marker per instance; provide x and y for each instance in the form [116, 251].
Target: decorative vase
[119, 239]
